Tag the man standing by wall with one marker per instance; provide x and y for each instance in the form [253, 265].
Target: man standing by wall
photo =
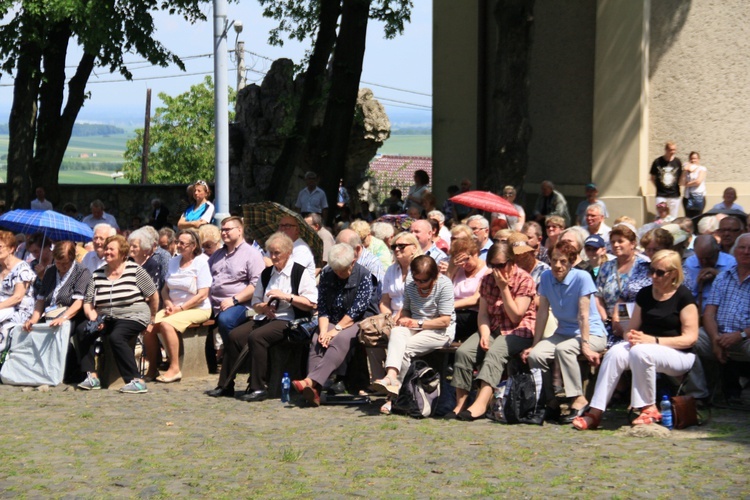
[665, 174]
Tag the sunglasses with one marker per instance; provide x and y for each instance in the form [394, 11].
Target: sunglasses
[422, 282]
[658, 272]
[499, 265]
[400, 246]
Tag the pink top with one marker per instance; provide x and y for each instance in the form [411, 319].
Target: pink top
[464, 287]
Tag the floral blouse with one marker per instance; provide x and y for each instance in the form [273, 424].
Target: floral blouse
[611, 284]
[21, 273]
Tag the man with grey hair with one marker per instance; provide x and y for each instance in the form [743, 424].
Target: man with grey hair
[550, 202]
[95, 258]
[99, 216]
[311, 199]
[444, 233]
[481, 229]
[383, 231]
[422, 230]
[594, 220]
[364, 257]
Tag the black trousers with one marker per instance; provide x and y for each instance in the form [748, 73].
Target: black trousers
[259, 337]
[119, 333]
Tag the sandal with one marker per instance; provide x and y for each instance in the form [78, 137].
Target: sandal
[385, 386]
[647, 417]
[386, 408]
[581, 424]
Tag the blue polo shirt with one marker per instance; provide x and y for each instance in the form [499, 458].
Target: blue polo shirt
[563, 299]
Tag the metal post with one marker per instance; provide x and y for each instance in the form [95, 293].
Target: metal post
[221, 110]
[146, 139]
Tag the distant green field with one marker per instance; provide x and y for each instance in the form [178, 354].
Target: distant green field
[110, 150]
[413, 145]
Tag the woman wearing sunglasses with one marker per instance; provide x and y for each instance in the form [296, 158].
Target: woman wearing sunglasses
[466, 270]
[424, 324]
[507, 314]
[201, 211]
[663, 329]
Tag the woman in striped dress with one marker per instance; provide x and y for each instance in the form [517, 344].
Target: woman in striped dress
[122, 292]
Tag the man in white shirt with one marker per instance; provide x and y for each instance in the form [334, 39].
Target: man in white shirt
[481, 229]
[312, 199]
[95, 258]
[40, 203]
[99, 216]
[301, 254]
[594, 219]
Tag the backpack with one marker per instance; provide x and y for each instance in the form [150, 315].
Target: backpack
[523, 402]
[419, 393]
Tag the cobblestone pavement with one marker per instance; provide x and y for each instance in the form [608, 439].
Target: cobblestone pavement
[175, 441]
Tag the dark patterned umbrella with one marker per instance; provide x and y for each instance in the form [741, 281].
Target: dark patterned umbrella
[262, 220]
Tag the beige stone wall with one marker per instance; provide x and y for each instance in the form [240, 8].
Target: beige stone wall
[700, 84]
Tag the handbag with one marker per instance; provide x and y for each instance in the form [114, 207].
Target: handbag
[684, 412]
[375, 331]
[301, 330]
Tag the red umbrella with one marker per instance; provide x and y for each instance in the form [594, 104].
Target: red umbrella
[484, 200]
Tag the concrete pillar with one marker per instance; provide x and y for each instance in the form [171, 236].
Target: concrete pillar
[455, 85]
[620, 162]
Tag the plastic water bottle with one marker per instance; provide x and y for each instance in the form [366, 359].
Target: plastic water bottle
[285, 386]
[666, 412]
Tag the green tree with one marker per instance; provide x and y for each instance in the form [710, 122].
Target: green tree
[34, 40]
[181, 138]
[339, 29]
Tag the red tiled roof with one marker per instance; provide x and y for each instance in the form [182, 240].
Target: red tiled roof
[398, 171]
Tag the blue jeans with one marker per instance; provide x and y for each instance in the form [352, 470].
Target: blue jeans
[229, 319]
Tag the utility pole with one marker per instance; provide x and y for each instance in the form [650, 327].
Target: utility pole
[221, 111]
[146, 130]
[241, 68]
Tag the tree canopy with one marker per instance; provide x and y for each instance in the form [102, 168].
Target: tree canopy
[181, 138]
[34, 45]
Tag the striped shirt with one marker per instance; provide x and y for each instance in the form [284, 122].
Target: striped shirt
[123, 298]
[438, 303]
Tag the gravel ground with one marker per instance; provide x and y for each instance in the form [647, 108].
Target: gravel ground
[175, 441]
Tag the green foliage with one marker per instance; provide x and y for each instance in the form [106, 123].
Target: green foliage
[299, 20]
[181, 138]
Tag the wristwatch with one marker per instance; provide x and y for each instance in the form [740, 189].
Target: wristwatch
[743, 334]
[420, 323]
[235, 301]
[337, 328]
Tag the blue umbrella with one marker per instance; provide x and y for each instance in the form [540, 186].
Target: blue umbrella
[53, 225]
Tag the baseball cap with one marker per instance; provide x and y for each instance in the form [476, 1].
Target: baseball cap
[590, 185]
[595, 241]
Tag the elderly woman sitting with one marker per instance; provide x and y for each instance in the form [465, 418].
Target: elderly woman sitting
[63, 288]
[346, 295]
[16, 278]
[185, 298]
[664, 327]
[569, 292]
[122, 298]
[466, 270]
[142, 252]
[424, 324]
[507, 314]
[284, 292]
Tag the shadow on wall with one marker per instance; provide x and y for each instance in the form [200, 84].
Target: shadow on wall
[668, 17]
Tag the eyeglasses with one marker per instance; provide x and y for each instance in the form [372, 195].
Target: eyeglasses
[658, 272]
[227, 229]
[201, 183]
[400, 246]
[499, 265]
[421, 282]
[475, 229]
[183, 243]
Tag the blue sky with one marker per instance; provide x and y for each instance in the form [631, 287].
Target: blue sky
[404, 63]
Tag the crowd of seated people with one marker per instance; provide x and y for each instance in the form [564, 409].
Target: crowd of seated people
[623, 298]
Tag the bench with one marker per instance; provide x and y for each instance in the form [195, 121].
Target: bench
[192, 356]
